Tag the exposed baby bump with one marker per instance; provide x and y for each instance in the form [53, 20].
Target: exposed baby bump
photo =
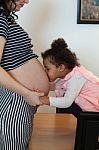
[40, 79]
[32, 76]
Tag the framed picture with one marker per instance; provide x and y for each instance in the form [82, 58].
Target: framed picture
[87, 11]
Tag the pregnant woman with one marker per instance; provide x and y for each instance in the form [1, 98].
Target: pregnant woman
[20, 74]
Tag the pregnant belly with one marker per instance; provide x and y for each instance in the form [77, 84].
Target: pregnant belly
[32, 76]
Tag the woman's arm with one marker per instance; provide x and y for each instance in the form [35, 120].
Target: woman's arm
[10, 83]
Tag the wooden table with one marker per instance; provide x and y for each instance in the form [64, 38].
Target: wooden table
[53, 132]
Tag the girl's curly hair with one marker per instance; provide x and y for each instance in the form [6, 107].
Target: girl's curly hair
[59, 53]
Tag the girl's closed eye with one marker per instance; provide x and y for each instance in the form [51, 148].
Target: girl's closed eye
[47, 69]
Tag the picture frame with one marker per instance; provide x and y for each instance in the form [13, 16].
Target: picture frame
[87, 11]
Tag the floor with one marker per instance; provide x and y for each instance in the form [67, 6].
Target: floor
[53, 132]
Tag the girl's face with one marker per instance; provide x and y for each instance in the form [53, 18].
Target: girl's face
[19, 4]
[51, 70]
[54, 72]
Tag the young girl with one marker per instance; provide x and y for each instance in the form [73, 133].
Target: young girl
[73, 83]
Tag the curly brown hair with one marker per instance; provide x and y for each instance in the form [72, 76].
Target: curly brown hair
[59, 53]
[4, 3]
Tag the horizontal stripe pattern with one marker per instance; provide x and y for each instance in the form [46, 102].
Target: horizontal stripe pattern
[18, 47]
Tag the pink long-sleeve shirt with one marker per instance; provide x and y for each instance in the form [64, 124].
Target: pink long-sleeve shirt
[79, 86]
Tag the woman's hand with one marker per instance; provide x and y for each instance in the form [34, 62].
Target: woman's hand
[43, 99]
[32, 98]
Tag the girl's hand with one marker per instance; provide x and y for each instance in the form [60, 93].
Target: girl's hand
[44, 100]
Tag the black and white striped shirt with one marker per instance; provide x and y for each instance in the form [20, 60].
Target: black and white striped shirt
[18, 47]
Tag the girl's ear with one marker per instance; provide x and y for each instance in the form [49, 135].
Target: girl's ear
[61, 67]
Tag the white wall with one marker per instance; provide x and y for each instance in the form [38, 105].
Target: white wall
[46, 20]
